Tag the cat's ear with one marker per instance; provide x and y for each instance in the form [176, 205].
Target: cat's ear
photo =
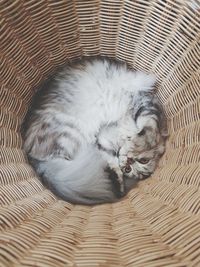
[161, 149]
[163, 129]
[164, 133]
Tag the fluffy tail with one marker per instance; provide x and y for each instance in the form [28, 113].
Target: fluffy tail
[83, 180]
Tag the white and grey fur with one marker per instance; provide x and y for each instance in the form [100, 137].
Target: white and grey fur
[94, 129]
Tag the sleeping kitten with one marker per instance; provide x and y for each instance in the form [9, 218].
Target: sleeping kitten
[95, 129]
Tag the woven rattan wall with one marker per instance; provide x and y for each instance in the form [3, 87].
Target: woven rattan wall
[158, 223]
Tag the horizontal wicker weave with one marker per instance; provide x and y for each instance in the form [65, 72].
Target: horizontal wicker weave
[158, 223]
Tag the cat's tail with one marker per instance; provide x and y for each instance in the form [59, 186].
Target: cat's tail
[83, 180]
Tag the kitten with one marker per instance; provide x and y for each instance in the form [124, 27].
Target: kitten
[94, 130]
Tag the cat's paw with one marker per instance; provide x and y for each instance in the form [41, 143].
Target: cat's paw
[122, 161]
[126, 153]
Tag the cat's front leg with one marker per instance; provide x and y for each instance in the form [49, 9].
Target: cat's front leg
[108, 145]
[113, 163]
[125, 153]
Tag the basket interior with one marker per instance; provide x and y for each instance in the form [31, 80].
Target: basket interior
[158, 223]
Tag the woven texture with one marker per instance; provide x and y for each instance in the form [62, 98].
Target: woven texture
[158, 223]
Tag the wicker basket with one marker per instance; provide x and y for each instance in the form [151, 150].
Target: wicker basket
[158, 223]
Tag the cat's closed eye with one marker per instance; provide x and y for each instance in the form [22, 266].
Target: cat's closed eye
[143, 160]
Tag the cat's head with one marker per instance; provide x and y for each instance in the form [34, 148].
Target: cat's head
[148, 147]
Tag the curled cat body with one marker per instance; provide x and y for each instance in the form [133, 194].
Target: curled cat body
[94, 129]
